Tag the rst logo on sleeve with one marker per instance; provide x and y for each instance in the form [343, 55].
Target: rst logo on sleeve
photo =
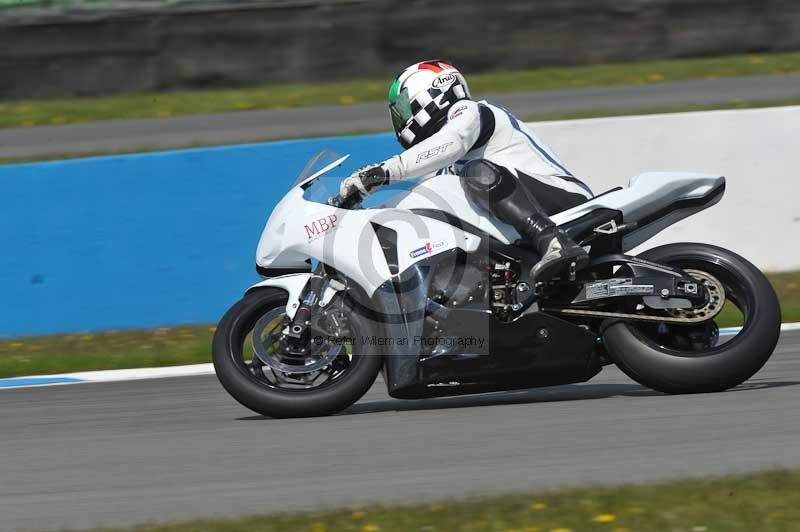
[433, 152]
[443, 81]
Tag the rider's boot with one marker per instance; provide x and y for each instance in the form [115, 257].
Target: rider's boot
[560, 254]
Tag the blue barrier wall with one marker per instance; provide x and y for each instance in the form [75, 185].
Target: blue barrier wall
[144, 240]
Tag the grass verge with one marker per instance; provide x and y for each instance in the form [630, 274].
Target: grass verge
[44, 355]
[764, 502]
[566, 115]
[174, 346]
[27, 113]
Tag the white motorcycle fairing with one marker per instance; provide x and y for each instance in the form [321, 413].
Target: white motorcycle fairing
[348, 240]
[299, 229]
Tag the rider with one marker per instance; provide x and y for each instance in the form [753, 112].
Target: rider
[504, 167]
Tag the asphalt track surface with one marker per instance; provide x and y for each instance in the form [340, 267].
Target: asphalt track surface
[130, 452]
[249, 126]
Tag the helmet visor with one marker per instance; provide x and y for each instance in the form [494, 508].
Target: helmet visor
[400, 110]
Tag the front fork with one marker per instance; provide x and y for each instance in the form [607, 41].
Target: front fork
[309, 298]
[318, 292]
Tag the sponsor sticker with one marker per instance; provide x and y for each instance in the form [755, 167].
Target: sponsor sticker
[427, 249]
[456, 111]
[443, 81]
[320, 227]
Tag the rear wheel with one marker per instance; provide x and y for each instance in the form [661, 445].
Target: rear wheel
[321, 374]
[676, 358]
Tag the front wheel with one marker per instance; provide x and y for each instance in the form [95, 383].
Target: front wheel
[691, 358]
[320, 374]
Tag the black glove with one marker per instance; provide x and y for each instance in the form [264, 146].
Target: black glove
[363, 181]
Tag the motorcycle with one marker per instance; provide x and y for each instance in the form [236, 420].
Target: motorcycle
[432, 292]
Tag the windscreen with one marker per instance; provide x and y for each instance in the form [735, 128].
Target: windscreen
[327, 184]
[316, 163]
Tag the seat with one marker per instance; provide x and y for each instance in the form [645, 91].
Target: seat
[653, 200]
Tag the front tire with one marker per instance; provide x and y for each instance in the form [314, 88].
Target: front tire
[242, 382]
[649, 362]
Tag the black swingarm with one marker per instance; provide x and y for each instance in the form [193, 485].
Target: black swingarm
[658, 286]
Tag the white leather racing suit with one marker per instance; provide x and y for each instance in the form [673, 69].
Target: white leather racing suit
[480, 130]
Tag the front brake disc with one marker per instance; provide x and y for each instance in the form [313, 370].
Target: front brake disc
[267, 346]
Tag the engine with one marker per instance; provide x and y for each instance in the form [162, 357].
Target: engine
[487, 282]
[455, 285]
[504, 279]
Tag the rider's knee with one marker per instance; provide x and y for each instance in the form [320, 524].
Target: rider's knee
[481, 174]
[487, 182]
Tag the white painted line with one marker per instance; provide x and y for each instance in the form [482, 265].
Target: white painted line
[111, 375]
[143, 373]
[115, 375]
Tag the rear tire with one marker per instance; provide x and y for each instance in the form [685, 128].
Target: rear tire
[259, 396]
[721, 367]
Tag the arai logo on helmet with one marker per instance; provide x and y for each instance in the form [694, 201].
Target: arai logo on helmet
[427, 248]
[443, 81]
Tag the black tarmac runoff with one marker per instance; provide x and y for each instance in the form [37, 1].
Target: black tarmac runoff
[131, 452]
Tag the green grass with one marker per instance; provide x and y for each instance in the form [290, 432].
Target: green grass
[176, 346]
[787, 286]
[762, 502]
[27, 113]
[44, 355]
